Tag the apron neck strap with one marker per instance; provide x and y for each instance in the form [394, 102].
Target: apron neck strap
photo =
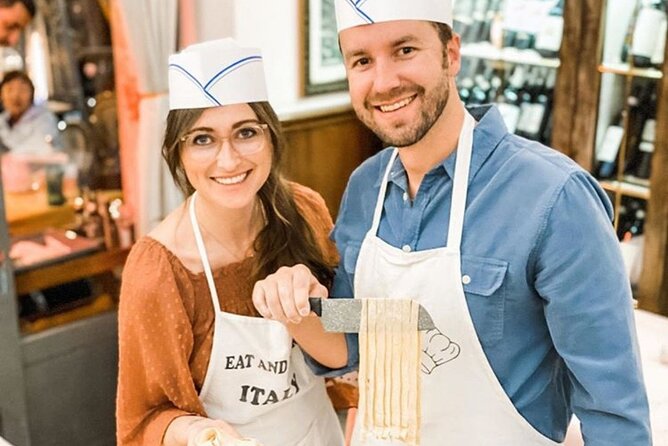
[459, 188]
[381, 193]
[202, 253]
[460, 183]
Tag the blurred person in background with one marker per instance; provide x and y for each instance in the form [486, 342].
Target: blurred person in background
[15, 15]
[25, 128]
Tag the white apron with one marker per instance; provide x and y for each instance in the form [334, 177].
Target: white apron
[462, 400]
[257, 379]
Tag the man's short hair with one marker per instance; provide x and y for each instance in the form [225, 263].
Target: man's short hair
[13, 75]
[29, 5]
[444, 32]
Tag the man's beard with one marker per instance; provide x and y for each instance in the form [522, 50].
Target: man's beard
[407, 134]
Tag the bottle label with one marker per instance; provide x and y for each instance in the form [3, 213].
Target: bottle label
[646, 31]
[510, 114]
[612, 141]
[646, 147]
[649, 130]
[660, 51]
[526, 110]
[535, 120]
[549, 38]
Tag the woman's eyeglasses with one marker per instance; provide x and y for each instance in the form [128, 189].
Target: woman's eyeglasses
[245, 140]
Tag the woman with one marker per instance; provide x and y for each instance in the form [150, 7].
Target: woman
[193, 353]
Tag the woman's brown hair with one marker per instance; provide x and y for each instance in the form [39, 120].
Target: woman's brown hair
[286, 239]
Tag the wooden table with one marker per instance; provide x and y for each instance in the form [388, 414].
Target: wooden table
[29, 212]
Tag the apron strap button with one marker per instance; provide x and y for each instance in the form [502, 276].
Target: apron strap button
[466, 279]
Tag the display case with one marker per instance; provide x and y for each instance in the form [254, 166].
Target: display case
[620, 132]
[512, 56]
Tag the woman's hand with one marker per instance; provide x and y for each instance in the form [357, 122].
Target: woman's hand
[184, 431]
[283, 296]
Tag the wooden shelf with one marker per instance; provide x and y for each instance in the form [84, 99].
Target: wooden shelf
[625, 69]
[70, 270]
[626, 188]
[485, 50]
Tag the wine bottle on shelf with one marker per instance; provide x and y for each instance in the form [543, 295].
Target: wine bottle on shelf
[606, 155]
[526, 101]
[628, 36]
[509, 101]
[632, 215]
[462, 12]
[466, 79]
[495, 82]
[475, 30]
[649, 24]
[548, 39]
[640, 157]
[491, 14]
[645, 150]
[480, 90]
[524, 40]
[660, 50]
[540, 110]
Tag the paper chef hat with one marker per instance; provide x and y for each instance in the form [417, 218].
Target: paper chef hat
[214, 73]
[350, 13]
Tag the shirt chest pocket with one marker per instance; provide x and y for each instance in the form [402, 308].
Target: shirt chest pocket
[483, 282]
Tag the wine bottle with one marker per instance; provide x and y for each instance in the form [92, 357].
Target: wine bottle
[479, 90]
[606, 155]
[526, 101]
[640, 155]
[548, 40]
[660, 51]
[628, 36]
[509, 103]
[647, 28]
[475, 31]
[540, 109]
[646, 149]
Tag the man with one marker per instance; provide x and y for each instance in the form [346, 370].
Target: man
[25, 128]
[14, 17]
[506, 243]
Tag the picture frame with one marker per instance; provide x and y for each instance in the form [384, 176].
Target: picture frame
[323, 69]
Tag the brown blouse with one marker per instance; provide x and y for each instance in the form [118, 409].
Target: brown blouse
[166, 328]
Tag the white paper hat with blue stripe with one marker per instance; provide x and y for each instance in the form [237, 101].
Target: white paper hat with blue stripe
[351, 13]
[215, 73]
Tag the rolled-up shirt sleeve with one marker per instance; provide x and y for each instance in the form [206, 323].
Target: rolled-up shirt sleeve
[580, 274]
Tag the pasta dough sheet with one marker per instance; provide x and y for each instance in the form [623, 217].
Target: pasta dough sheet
[389, 371]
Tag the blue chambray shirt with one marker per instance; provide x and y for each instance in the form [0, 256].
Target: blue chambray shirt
[549, 296]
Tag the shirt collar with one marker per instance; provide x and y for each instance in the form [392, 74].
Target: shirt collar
[487, 135]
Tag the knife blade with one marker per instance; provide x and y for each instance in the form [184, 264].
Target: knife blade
[342, 315]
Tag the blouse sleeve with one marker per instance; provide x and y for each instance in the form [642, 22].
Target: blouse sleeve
[313, 208]
[155, 384]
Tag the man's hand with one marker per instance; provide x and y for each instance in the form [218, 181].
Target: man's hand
[283, 296]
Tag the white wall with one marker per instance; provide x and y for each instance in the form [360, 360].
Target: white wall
[274, 26]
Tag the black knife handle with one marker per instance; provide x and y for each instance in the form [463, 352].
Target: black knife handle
[316, 305]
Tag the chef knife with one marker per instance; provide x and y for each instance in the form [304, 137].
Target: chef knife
[343, 315]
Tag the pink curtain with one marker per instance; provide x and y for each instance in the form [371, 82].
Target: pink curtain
[187, 22]
[128, 106]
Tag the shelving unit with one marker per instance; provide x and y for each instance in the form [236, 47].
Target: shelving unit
[598, 69]
[495, 51]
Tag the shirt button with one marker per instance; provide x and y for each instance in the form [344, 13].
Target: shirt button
[405, 196]
[466, 279]
[406, 248]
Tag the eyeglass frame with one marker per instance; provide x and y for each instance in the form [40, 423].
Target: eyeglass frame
[263, 126]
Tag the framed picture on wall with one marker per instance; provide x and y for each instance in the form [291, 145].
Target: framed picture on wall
[323, 64]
